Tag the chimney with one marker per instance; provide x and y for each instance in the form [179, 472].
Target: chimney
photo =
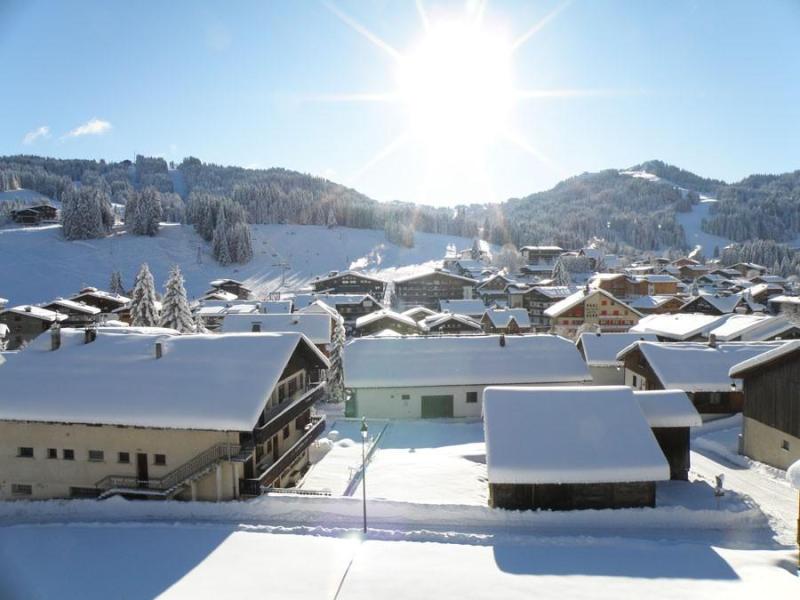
[159, 350]
[256, 327]
[89, 335]
[55, 337]
[502, 340]
[712, 340]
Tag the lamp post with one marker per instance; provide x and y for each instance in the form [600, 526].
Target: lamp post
[364, 431]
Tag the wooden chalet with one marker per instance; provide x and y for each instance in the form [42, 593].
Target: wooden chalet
[27, 322]
[34, 215]
[105, 301]
[771, 386]
[382, 320]
[427, 289]
[506, 320]
[450, 324]
[594, 308]
[78, 314]
[350, 282]
[232, 286]
[536, 300]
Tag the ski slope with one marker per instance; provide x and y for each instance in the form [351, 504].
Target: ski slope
[37, 264]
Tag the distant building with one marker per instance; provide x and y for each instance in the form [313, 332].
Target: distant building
[449, 324]
[443, 376]
[27, 322]
[349, 306]
[541, 259]
[471, 308]
[506, 320]
[600, 350]
[232, 286]
[593, 308]
[382, 320]
[538, 455]
[427, 289]
[105, 301]
[350, 282]
[34, 215]
[78, 314]
[771, 385]
[536, 300]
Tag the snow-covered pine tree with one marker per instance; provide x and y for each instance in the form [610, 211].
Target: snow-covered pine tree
[331, 221]
[219, 245]
[116, 286]
[175, 311]
[335, 373]
[143, 304]
[561, 275]
[241, 243]
[199, 324]
[388, 295]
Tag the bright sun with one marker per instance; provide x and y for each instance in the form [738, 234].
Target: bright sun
[457, 85]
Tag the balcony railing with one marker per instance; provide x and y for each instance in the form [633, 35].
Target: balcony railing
[282, 414]
[253, 487]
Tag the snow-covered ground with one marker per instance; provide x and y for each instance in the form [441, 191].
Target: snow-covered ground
[38, 264]
[26, 196]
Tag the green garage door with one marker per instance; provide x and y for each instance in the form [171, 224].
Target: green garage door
[437, 406]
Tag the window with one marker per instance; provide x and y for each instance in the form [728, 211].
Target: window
[52, 453]
[68, 454]
[96, 455]
[406, 397]
[21, 489]
[269, 445]
[715, 398]
[472, 397]
[160, 459]
[292, 386]
[25, 452]
[286, 432]
[124, 457]
[785, 445]
[634, 381]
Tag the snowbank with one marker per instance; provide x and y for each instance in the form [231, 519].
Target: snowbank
[793, 475]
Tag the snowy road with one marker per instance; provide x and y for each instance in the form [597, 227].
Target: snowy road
[776, 499]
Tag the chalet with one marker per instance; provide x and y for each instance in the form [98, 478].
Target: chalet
[444, 376]
[771, 415]
[218, 296]
[506, 320]
[654, 285]
[788, 306]
[474, 269]
[616, 284]
[493, 288]
[449, 324]
[689, 273]
[685, 262]
[541, 259]
[382, 320]
[755, 328]
[350, 282]
[349, 306]
[419, 312]
[569, 448]
[105, 301]
[427, 289]
[600, 350]
[700, 370]
[748, 269]
[78, 314]
[232, 286]
[715, 304]
[681, 327]
[471, 308]
[593, 308]
[656, 305]
[762, 292]
[205, 417]
[26, 322]
[537, 300]
[123, 313]
[34, 215]
[670, 415]
[315, 327]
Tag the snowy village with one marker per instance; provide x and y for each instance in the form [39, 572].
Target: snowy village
[354, 301]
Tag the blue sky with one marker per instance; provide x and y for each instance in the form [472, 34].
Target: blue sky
[709, 86]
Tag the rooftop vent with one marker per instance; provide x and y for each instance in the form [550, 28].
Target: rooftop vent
[159, 350]
[502, 340]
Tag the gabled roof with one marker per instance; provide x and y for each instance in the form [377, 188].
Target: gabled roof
[413, 361]
[554, 292]
[219, 295]
[501, 317]
[303, 300]
[463, 307]
[561, 435]
[580, 296]
[219, 282]
[321, 307]
[209, 382]
[680, 326]
[724, 304]
[358, 274]
[543, 248]
[739, 370]
[72, 305]
[696, 366]
[315, 326]
[601, 349]
[437, 319]
[385, 313]
[100, 294]
[751, 328]
[668, 408]
[428, 273]
[36, 312]
[657, 278]
[416, 310]
[650, 302]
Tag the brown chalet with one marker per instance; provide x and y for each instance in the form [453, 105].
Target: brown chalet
[350, 282]
[427, 289]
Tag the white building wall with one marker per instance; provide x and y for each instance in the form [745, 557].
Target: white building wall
[607, 375]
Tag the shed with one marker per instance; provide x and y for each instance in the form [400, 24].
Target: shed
[563, 448]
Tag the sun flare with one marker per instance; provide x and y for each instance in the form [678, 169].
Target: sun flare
[458, 88]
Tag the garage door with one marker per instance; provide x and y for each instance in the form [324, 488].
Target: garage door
[437, 406]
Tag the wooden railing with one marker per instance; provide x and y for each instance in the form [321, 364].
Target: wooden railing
[282, 414]
[177, 476]
[252, 487]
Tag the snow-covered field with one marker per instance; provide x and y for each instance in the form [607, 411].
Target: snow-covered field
[37, 264]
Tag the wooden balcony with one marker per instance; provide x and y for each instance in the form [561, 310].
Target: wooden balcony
[281, 415]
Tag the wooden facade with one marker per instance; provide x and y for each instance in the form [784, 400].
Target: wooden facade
[572, 496]
[34, 215]
[22, 328]
[674, 443]
[350, 282]
[386, 322]
[426, 290]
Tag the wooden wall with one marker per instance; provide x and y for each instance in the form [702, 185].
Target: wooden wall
[572, 496]
[772, 395]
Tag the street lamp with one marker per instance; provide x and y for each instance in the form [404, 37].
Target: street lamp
[364, 431]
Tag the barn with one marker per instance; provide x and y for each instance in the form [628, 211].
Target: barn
[567, 448]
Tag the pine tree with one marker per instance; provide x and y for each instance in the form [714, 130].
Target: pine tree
[116, 286]
[199, 324]
[143, 304]
[175, 311]
[389, 295]
[331, 221]
[335, 373]
[219, 245]
[561, 275]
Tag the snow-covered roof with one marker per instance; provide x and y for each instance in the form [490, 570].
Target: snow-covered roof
[563, 435]
[678, 326]
[554, 292]
[437, 319]
[76, 306]
[315, 326]
[764, 358]
[212, 311]
[751, 328]
[501, 317]
[793, 475]
[581, 295]
[303, 300]
[219, 282]
[761, 288]
[471, 308]
[462, 360]
[783, 299]
[242, 309]
[428, 272]
[3, 301]
[385, 313]
[650, 302]
[36, 312]
[277, 306]
[350, 274]
[657, 278]
[696, 366]
[3, 330]
[668, 408]
[543, 248]
[212, 382]
[601, 349]
[219, 295]
[417, 310]
[724, 304]
[320, 307]
[95, 293]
